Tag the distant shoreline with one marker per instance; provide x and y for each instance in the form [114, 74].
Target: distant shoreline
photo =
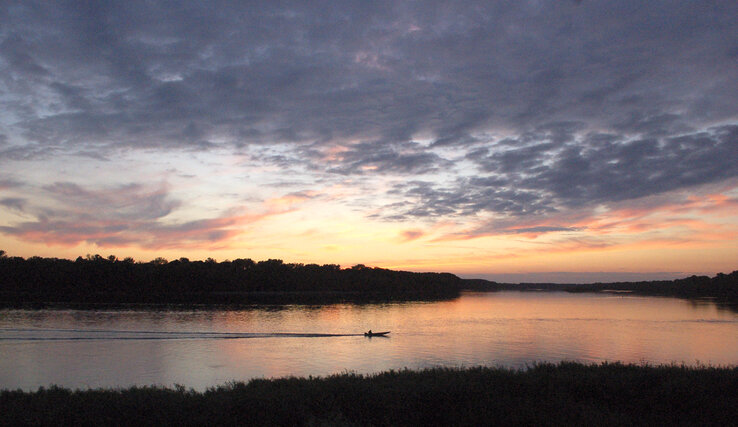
[565, 393]
[722, 288]
[95, 281]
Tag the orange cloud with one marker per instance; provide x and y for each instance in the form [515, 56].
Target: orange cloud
[131, 233]
[132, 216]
[409, 235]
[291, 199]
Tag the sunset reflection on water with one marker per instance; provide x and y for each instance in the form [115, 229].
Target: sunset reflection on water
[514, 329]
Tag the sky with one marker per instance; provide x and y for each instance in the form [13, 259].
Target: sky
[565, 141]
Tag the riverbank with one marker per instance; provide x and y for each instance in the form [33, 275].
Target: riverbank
[721, 288]
[566, 394]
[95, 281]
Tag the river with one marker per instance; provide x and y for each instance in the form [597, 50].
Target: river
[204, 348]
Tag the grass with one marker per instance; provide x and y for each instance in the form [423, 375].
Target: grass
[545, 394]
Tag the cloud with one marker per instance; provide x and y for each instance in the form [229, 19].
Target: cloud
[291, 199]
[125, 202]
[375, 158]
[532, 179]
[32, 151]
[540, 229]
[593, 171]
[9, 183]
[464, 197]
[409, 235]
[104, 75]
[125, 215]
[508, 116]
[144, 234]
[13, 203]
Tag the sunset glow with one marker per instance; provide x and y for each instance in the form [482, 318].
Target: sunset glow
[504, 141]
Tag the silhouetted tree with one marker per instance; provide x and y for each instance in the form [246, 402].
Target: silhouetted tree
[97, 279]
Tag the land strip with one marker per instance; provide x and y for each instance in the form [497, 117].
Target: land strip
[546, 394]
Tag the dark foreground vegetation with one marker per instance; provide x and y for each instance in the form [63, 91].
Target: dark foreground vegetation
[563, 394]
[722, 287]
[94, 279]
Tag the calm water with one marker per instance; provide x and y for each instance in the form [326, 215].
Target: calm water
[199, 349]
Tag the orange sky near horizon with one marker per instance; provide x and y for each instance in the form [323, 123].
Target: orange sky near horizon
[699, 236]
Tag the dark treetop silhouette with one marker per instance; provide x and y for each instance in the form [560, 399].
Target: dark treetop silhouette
[723, 288]
[95, 279]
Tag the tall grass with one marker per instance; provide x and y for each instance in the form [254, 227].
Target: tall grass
[546, 394]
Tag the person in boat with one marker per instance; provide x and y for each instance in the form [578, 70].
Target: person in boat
[370, 332]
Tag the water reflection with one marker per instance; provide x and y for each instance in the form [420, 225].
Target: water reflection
[205, 348]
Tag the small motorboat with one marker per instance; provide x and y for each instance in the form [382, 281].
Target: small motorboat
[376, 334]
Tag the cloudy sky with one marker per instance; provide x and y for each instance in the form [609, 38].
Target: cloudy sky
[512, 140]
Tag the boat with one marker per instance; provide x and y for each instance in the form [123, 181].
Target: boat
[376, 334]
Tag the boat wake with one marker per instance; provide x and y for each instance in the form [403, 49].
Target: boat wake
[39, 334]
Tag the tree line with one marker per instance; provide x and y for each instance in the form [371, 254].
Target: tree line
[95, 278]
[721, 286]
